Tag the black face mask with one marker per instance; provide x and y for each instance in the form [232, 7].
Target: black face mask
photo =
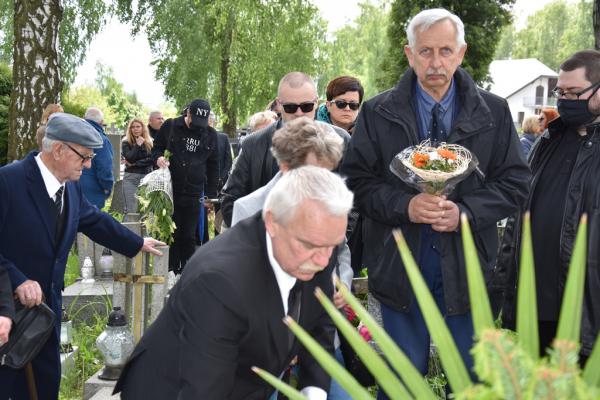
[575, 112]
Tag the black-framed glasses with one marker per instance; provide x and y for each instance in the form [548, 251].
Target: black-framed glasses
[291, 108]
[341, 104]
[558, 92]
[83, 158]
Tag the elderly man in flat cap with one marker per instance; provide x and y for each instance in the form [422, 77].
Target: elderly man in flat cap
[41, 210]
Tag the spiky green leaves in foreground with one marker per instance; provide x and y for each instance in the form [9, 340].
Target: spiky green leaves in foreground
[394, 356]
[504, 362]
[527, 325]
[457, 374]
[481, 312]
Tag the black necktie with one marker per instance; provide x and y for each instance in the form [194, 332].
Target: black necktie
[58, 199]
[437, 128]
[294, 300]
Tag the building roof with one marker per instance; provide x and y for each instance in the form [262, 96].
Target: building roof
[510, 76]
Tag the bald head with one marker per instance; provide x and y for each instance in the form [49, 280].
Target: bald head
[296, 96]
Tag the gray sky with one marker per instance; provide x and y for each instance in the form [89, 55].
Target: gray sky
[130, 57]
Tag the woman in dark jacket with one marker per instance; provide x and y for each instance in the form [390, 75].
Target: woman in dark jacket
[137, 155]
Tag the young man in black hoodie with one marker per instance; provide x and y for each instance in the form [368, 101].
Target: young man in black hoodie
[192, 144]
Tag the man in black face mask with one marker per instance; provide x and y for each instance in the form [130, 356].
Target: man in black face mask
[565, 163]
[192, 143]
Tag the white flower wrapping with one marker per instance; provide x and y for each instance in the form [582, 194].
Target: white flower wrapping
[434, 169]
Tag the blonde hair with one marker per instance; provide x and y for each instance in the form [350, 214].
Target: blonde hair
[261, 118]
[145, 134]
[49, 110]
[531, 124]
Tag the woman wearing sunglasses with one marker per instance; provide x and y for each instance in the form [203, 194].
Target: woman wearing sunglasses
[344, 96]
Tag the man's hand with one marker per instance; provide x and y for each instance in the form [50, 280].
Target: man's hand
[5, 325]
[150, 244]
[162, 162]
[450, 217]
[338, 300]
[425, 209]
[29, 293]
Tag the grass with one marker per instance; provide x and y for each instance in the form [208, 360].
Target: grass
[88, 359]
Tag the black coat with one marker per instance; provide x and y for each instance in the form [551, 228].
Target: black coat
[225, 161]
[139, 159]
[194, 159]
[223, 317]
[385, 126]
[583, 196]
[255, 166]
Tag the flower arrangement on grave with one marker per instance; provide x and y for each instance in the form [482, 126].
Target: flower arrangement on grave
[433, 168]
[155, 199]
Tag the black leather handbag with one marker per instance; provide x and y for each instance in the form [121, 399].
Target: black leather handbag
[31, 329]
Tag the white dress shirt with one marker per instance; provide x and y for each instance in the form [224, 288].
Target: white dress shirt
[52, 184]
[286, 282]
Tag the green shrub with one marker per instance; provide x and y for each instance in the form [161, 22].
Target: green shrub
[507, 364]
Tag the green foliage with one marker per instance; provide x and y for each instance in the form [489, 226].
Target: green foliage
[82, 20]
[483, 22]
[503, 363]
[109, 95]
[231, 52]
[552, 34]
[5, 90]
[346, 54]
[157, 212]
[72, 271]
[122, 107]
[88, 359]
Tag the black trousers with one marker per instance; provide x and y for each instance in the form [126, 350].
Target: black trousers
[185, 215]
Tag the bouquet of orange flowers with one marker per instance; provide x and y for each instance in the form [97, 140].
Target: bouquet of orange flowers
[434, 168]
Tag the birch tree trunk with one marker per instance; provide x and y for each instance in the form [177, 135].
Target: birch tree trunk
[597, 23]
[36, 73]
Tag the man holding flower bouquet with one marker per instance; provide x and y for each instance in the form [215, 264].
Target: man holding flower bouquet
[465, 127]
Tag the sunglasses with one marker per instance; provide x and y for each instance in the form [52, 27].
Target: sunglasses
[83, 158]
[341, 104]
[291, 108]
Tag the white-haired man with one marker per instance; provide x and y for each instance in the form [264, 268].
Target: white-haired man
[97, 181]
[435, 99]
[155, 121]
[41, 211]
[225, 314]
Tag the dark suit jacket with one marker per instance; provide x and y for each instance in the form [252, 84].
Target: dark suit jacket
[27, 236]
[224, 150]
[7, 308]
[223, 317]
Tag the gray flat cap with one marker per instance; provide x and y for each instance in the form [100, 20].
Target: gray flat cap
[69, 128]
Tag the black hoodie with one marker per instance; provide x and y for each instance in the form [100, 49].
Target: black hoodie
[194, 158]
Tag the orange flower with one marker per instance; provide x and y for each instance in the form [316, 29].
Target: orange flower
[448, 154]
[420, 159]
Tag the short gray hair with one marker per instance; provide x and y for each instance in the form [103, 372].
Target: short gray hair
[302, 136]
[94, 114]
[427, 18]
[308, 183]
[47, 144]
[154, 113]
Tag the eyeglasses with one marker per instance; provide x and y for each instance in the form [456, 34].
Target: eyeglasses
[83, 158]
[291, 108]
[341, 104]
[558, 92]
